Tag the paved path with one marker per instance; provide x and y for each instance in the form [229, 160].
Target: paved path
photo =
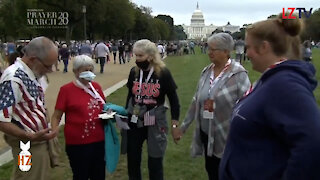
[114, 74]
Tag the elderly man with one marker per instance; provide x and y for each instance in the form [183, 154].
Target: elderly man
[102, 51]
[23, 115]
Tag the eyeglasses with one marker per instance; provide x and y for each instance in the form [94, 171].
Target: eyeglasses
[48, 67]
[212, 49]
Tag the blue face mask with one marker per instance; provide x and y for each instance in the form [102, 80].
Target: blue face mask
[87, 75]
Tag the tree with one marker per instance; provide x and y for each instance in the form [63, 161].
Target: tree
[312, 27]
[14, 19]
[146, 10]
[179, 34]
[75, 16]
[141, 25]
[169, 21]
[242, 33]
[119, 19]
[104, 19]
[163, 29]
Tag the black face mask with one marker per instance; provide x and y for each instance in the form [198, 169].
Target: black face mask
[143, 64]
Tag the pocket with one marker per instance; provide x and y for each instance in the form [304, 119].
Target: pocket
[161, 119]
[157, 141]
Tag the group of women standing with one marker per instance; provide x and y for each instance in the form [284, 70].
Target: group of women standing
[266, 131]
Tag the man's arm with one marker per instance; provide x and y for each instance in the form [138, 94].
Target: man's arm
[13, 130]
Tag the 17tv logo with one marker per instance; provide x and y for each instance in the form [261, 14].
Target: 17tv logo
[24, 157]
[291, 11]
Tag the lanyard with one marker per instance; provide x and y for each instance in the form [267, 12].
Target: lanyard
[275, 64]
[213, 81]
[92, 93]
[148, 78]
[270, 67]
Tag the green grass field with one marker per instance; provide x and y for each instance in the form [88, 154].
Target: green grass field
[178, 165]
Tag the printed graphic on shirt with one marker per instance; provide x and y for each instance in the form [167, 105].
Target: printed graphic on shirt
[29, 84]
[149, 91]
[30, 111]
[237, 114]
[7, 97]
[90, 124]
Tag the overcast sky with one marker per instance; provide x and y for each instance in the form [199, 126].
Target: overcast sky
[219, 12]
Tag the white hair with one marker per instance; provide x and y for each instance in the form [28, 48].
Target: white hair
[223, 41]
[82, 60]
[39, 47]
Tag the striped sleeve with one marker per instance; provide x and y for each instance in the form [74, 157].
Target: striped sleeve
[9, 96]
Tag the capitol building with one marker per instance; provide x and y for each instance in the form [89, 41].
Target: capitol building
[199, 31]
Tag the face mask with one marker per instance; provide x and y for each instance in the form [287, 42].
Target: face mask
[87, 75]
[143, 65]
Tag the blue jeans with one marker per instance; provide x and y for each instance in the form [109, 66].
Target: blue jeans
[102, 62]
[65, 62]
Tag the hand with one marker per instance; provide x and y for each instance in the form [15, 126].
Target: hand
[43, 135]
[176, 134]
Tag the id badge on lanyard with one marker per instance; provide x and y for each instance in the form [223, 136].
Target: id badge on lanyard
[135, 114]
[209, 104]
[208, 109]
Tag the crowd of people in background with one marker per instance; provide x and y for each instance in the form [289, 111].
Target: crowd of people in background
[265, 128]
[122, 50]
[102, 51]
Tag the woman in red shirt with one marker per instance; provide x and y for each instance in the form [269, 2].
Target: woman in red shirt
[82, 100]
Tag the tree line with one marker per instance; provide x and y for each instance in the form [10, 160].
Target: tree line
[311, 27]
[100, 19]
[103, 19]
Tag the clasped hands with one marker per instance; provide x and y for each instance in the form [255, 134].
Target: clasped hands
[176, 132]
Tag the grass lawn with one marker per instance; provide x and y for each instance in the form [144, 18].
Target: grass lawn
[178, 165]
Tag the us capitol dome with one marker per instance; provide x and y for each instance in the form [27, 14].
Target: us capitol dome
[199, 31]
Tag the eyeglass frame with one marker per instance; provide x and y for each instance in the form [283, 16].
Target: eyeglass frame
[48, 68]
[23, 50]
[213, 50]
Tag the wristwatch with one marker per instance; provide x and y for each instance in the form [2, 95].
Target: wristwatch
[174, 126]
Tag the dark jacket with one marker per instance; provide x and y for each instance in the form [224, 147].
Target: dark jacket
[275, 130]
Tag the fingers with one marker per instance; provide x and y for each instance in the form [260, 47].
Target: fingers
[50, 135]
[176, 134]
[177, 139]
[44, 134]
[43, 131]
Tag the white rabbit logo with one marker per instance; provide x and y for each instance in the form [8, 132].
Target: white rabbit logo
[24, 157]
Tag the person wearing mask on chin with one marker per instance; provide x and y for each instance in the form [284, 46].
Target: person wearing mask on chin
[82, 101]
[148, 84]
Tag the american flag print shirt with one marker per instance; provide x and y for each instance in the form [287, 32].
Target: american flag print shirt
[22, 98]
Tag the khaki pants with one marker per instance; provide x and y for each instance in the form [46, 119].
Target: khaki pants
[40, 160]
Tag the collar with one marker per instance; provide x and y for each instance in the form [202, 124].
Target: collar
[20, 64]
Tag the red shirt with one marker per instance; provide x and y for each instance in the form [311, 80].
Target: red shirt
[81, 113]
